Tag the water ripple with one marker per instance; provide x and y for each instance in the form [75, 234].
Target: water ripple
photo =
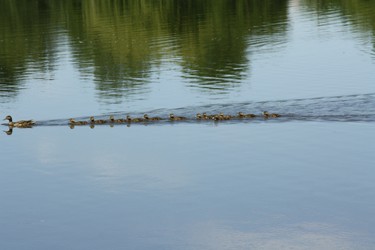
[348, 108]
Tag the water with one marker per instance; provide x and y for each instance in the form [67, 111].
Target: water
[302, 181]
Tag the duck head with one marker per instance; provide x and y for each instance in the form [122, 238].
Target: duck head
[9, 118]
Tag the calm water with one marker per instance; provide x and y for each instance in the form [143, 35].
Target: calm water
[304, 181]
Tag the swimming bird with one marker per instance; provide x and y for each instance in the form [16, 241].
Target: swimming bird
[147, 118]
[206, 117]
[129, 119]
[93, 121]
[172, 117]
[225, 117]
[242, 115]
[74, 122]
[19, 124]
[198, 116]
[112, 119]
[268, 115]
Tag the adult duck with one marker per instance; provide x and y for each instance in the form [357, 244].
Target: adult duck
[19, 124]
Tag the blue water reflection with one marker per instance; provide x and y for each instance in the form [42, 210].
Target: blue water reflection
[189, 187]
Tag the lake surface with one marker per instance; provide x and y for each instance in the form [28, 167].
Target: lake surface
[301, 181]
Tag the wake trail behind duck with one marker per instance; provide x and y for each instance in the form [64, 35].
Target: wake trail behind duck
[348, 108]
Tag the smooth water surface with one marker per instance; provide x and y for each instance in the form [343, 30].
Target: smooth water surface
[302, 181]
[297, 185]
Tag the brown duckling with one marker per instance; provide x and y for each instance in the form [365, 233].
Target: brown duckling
[147, 118]
[268, 115]
[242, 115]
[198, 116]
[172, 117]
[206, 117]
[129, 119]
[225, 117]
[216, 117]
[113, 120]
[74, 122]
[93, 121]
[19, 124]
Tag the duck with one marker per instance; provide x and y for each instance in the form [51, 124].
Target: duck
[147, 118]
[112, 119]
[206, 117]
[216, 117]
[129, 119]
[268, 115]
[172, 117]
[242, 115]
[19, 124]
[225, 117]
[93, 121]
[74, 122]
[198, 116]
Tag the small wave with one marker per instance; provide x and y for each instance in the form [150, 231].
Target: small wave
[348, 108]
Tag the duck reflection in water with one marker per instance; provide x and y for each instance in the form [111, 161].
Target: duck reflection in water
[9, 131]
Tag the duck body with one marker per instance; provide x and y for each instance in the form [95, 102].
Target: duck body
[19, 124]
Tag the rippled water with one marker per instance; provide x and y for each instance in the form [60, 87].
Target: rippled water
[301, 181]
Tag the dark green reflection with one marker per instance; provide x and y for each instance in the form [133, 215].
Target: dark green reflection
[121, 42]
[27, 41]
[359, 13]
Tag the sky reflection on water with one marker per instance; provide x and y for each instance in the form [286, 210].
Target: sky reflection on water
[189, 186]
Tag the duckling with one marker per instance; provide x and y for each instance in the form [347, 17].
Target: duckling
[129, 119]
[147, 118]
[172, 117]
[198, 116]
[93, 121]
[206, 117]
[216, 117]
[268, 115]
[19, 124]
[242, 115]
[112, 119]
[74, 122]
[225, 117]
